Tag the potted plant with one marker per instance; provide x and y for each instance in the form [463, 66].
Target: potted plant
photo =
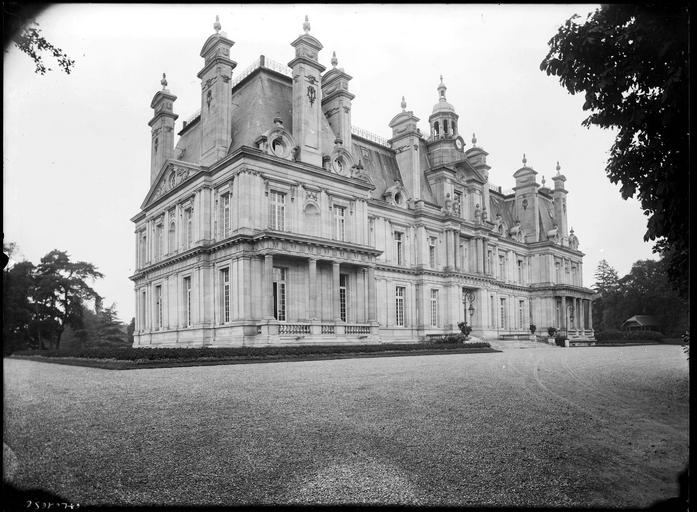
[465, 329]
[533, 328]
[551, 331]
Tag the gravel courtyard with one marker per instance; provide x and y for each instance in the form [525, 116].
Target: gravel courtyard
[599, 426]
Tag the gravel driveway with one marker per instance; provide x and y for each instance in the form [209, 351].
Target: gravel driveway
[597, 426]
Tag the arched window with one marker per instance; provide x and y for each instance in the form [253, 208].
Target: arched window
[453, 127]
[436, 128]
[445, 127]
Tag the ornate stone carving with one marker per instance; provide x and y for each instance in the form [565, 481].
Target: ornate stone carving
[516, 232]
[573, 240]
[553, 234]
[477, 213]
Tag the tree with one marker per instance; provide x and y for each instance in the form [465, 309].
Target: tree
[110, 330]
[643, 291]
[630, 61]
[28, 38]
[60, 291]
[130, 331]
[606, 279]
[17, 307]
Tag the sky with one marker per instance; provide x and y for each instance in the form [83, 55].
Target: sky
[76, 148]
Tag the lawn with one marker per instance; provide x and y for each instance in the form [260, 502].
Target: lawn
[600, 426]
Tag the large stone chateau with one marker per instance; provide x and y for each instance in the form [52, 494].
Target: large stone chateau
[275, 220]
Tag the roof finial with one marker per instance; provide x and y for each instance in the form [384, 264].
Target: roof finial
[306, 25]
[164, 82]
[474, 139]
[525, 160]
[217, 25]
[441, 89]
[543, 180]
[335, 61]
[404, 104]
[558, 167]
[572, 231]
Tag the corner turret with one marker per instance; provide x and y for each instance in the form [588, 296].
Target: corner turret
[405, 142]
[162, 128]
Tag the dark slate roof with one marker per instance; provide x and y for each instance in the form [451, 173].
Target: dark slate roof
[256, 102]
[379, 162]
[506, 207]
[546, 210]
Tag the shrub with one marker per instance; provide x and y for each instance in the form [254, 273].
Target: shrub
[451, 338]
[643, 335]
[551, 331]
[132, 354]
[610, 335]
[533, 328]
[686, 343]
[560, 339]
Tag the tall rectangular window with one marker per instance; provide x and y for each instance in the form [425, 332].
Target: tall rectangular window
[434, 308]
[340, 222]
[143, 247]
[502, 317]
[489, 262]
[432, 252]
[158, 307]
[371, 229]
[521, 314]
[399, 306]
[277, 210]
[557, 268]
[502, 267]
[225, 215]
[225, 295]
[187, 302]
[172, 237]
[492, 311]
[343, 288]
[279, 293]
[158, 241]
[143, 311]
[520, 271]
[566, 271]
[399, 249]
[189, 231]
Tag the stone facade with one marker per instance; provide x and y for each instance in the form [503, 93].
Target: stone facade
[278, 221]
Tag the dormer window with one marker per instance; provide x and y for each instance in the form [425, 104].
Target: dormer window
[278, 147]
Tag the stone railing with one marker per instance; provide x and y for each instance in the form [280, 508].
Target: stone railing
[293, 329]
[500, 190]
[261, 62]
[357, 329]
[365, 134]
[327, 329]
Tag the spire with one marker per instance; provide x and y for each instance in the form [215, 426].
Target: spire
[216, 25]
[558, 168]
[164, 82]
[441, 89]
[335, 61]
[404, 105]
[474, 140]
[306, 25]
[525, 160]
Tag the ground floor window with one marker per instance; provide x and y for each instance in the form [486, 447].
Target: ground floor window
[434, 308]
[158, 307]
[521, 314]
[187, 302]
[399, 306]
[279, 293]
[343, 289]
[502, 307]
[225, 295]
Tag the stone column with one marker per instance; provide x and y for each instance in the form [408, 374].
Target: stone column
[335, 292]
[485, 247]
[312, 287]
[478, 251]
[565, 315]
[590, 314]
[448, 249]
[268, 287]
[372, 296]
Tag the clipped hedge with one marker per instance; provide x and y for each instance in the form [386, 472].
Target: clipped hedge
[559, 339]
[133, 354]
[614, 335]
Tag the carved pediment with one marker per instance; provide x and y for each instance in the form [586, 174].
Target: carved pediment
[170, 177]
